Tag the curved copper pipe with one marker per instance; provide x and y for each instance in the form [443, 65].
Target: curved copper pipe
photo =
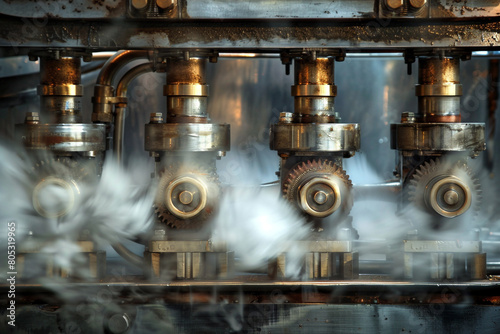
[104, 97]
[114, 64]
[121, 91]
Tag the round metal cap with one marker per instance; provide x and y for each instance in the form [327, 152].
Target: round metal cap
[320, 197]
[185, 197]
[449, 196]
[54, 197]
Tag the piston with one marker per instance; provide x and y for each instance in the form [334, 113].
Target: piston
[439, 89]
[60, 89]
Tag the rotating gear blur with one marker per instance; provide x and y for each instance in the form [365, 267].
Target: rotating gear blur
[186, 196]
[57, 184]
[446, 190]
[320, 189]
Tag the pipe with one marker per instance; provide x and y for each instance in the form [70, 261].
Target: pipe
[121, 91]
[104, 96]
[128, 255]
[114, 64]
[381, 191]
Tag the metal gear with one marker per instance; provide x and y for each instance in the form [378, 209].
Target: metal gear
[320, 189]
[186, 195]
[56, 184]
[446, 189]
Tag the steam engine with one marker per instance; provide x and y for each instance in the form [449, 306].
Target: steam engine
[202, 92]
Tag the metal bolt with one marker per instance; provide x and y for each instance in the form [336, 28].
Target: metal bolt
[139, 4]
[32, 118]
[165, 4]
[156, 117]
[186, 197]
[418, 3]
[286, 117]
[394, 4]
[320, 197]
[408, 117]
[451, 197]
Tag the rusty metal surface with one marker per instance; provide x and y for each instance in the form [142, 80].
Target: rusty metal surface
[63, 137]
[253, 304]
[246, 9]
[321, 137]
[259, 289]
[63, 9]
[268, 35]
[188, 137]
[438, 136]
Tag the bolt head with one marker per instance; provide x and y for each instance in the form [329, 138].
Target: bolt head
[139, 4]
[156, 117]
[286, 117]
[32, 117]
[320, 197]
[418, 3]
[186, 197]
[394, 4]
[451, 197]
[408, 117]
[165, 4]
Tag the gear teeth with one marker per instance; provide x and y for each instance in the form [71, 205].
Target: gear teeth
[432, 168]
[302, 169]
[165, 176]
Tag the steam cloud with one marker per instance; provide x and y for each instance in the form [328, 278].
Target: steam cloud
[258, 225]
[107, 210]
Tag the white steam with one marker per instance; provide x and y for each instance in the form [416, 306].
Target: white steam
[258, 225]
[104, 210]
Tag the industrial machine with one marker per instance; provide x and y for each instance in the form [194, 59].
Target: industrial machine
[151, 148]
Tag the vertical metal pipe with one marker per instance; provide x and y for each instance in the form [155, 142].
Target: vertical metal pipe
[439, 89]
[60, 89]
[314, 90]
[186, 91]
[121, 91]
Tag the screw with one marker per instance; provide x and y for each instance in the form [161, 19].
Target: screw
[320, 197]
[418, 3]
[408, 117]
[186, 197]
[286, 117]
[394, 4]
[32, 118]
[139, 4]
[156, 117]
[451, 197]
[165, 4]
